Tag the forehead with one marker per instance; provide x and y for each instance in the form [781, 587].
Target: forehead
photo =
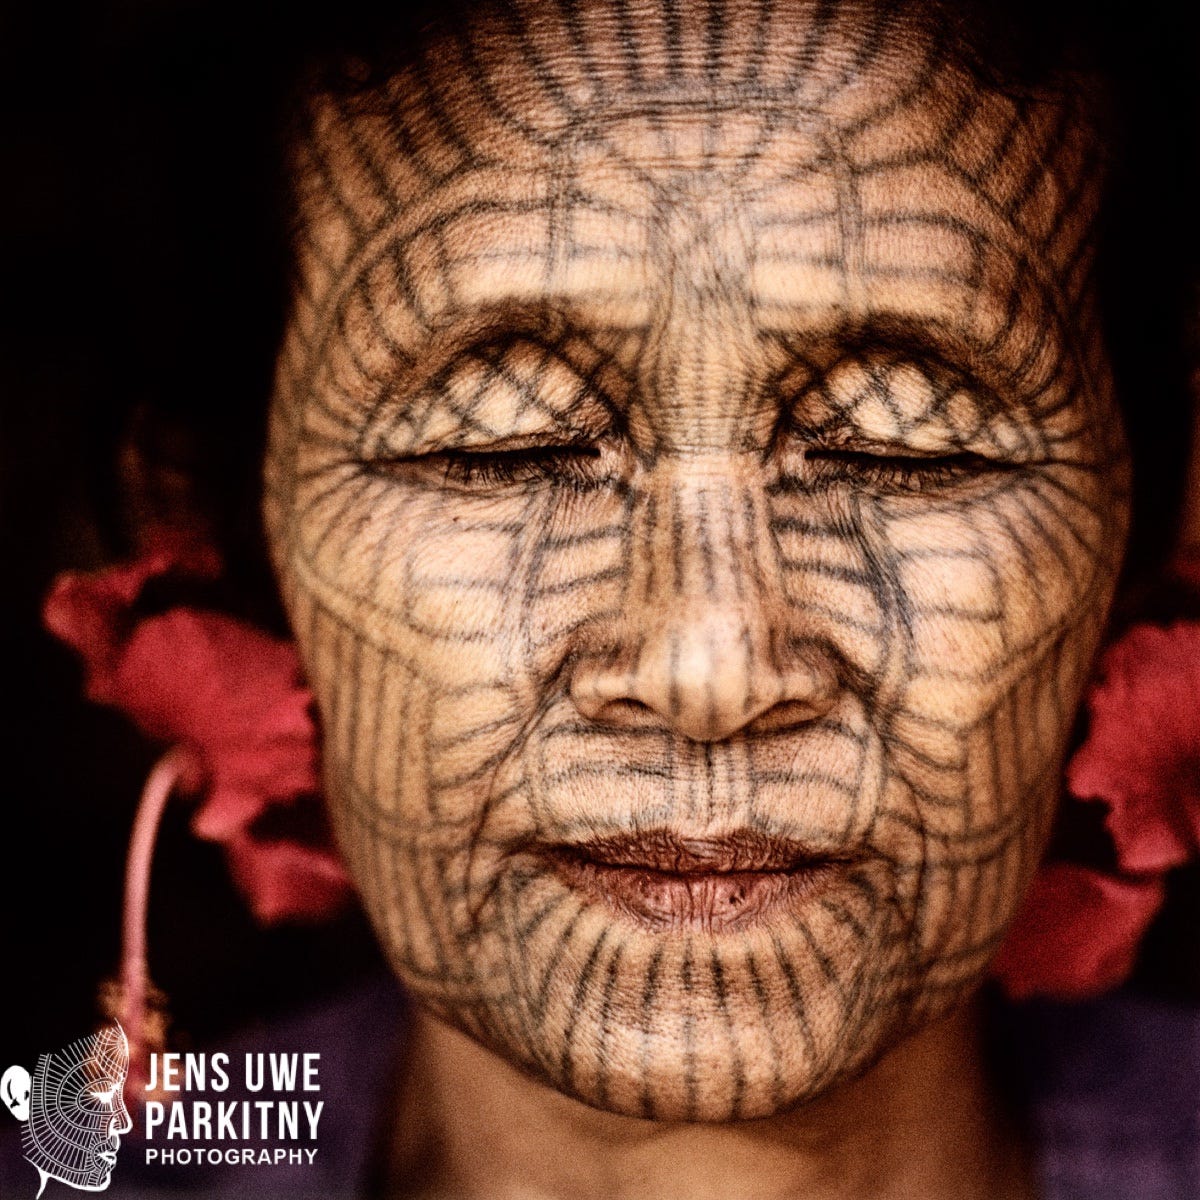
[809, 169]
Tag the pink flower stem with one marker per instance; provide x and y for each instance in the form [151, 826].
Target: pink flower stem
[178, 764]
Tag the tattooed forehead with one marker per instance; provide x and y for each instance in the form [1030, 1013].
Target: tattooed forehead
[802, 176]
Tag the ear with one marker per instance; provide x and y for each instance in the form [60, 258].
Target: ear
[14, 1090]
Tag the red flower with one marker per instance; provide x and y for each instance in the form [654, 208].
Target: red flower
[232, 693]
[91, 612]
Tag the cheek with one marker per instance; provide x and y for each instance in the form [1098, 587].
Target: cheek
[432, 627]
[1003, 601]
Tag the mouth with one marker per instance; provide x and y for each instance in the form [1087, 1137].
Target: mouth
[664, 880]
[108, 1158]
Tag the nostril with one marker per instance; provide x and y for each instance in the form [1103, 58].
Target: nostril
[626, 714]
[786, 716]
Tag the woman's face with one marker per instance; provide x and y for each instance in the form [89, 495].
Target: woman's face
[697, 491]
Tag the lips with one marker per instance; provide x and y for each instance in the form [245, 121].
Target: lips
[665, 880]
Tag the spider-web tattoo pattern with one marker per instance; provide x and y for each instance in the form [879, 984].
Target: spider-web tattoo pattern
[694, 418]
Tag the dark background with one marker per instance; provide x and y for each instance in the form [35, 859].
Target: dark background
[142, 274]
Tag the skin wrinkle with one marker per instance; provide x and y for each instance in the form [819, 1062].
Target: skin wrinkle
[694, 424]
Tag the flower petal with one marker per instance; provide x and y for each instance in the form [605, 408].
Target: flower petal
[288, 881]
[91, 610]
[1077, 934]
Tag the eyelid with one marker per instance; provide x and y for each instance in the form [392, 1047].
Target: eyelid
[898, 472]
[954, 374]
[479, 469]
[431, 415]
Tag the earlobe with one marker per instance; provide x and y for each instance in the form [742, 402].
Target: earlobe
[14, 1088]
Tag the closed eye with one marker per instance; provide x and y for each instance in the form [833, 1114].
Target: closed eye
[896, 472]
[104, 1096]
[557, 465]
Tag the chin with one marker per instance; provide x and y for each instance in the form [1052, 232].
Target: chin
[692, 1025]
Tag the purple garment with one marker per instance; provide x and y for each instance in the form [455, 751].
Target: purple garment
[1112, 1091]
[1110, 1088]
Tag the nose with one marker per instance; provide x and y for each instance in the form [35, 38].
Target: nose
[707, 678]
[706, 645]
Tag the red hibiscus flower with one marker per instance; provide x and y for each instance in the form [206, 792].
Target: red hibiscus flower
[1077, 934]
[232, 694]
[1142, 756]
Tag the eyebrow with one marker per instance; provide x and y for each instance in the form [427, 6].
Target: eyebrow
[473, 323]
[542, 320]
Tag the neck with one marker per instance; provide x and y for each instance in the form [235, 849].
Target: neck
[921, 1124]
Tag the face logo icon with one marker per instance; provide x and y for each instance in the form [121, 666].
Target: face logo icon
[73, 1109]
